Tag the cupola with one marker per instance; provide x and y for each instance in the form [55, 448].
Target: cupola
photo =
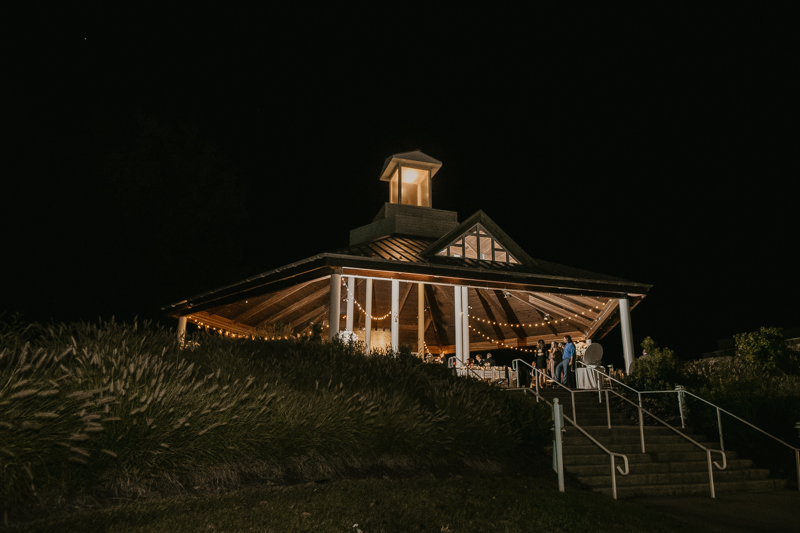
[409, 175]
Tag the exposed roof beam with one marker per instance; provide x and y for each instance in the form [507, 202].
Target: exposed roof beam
[490, 315]
[278, 296]
[511, 315]
[297, 305]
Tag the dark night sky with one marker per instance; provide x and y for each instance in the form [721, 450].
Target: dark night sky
[150, 162]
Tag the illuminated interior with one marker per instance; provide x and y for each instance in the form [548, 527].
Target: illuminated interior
[477, 243]
[416, 187]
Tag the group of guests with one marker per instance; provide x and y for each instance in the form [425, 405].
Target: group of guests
[557, 363]
[478, 361]
[554, 364]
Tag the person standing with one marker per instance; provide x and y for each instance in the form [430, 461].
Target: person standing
[551, 360]
[567, 358]
[541, 363]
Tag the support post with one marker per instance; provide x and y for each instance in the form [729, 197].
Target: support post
[336, 298]
[459, 335]
[395, 315]
[351, 296]
[421, 320]
[368, 320]
[399, 185]
[181, 331]
[558, 419]
[627, 335]
[465, 321]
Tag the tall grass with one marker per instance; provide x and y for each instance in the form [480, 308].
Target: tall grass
[110, 410]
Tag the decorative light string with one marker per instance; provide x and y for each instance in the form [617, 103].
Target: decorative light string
[499, 343]
[233, 335]
[351, 296]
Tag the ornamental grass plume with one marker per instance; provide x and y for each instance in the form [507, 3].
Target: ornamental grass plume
[110, 410]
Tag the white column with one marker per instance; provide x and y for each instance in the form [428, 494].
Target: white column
[336, 298]
[395, 315]
[351, 296]
[368, 320]
[627, 335]
[459, 324]
[181, 330]
[421, 319]
[465, 321]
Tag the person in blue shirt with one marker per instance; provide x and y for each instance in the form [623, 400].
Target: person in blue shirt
[562, 369]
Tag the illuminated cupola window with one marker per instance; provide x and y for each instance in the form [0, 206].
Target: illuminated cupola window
[477, 243]
[409, 175]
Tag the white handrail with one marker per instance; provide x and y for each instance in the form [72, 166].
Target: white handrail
[707, 450]
[719, 419]
[571, 392]
[611, 454]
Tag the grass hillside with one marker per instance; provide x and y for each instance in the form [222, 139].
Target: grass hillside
[94, 412]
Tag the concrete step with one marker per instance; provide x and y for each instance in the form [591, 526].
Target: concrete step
[672, 465]
[675, 478]
[694, 489]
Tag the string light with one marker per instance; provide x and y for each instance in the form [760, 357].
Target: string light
[499, 343]
[351, 296]
[546, 322]
[234, 335]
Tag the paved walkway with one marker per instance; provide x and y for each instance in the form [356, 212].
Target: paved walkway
[765, 512]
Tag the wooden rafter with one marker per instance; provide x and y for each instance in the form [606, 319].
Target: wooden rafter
[278, 296]
[314, 318]
[436, 315]
[431, 319]
[568, 310]
[308, 316]
[511, 315]
[490, 314]
[607, 311]
[553, 309]
[404, 298]
[297, 305]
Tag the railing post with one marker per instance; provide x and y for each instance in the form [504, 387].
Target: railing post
[679, 388]
[719, 425]
[558, 416]
[641, 422]
[608, 411]
[613, 478]
[797, 461]
[710, 473]
[597, 385]
[574, 412]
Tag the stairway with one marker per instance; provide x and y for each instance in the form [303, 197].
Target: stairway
[672, 466]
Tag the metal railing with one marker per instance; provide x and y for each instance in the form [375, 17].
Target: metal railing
[611, 454]
[538, 372]
[681, 392]
[641, 411]
[707, 450]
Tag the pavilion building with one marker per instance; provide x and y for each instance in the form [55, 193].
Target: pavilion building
[417, 276]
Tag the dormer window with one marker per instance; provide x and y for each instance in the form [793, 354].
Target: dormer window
[477, 243]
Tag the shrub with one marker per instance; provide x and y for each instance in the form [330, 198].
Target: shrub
[767, 349]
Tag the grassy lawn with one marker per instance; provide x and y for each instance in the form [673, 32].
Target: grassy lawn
[454, 503]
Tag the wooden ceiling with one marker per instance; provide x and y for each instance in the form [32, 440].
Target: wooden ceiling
[498, 317]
